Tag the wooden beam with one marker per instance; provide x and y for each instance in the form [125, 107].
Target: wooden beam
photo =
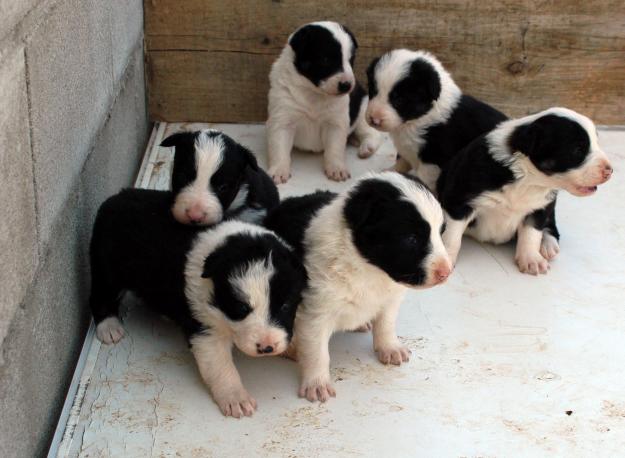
[209, 61]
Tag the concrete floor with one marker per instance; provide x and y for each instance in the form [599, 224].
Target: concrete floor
[503, 364]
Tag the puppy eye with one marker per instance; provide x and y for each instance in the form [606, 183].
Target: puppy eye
[325, 61]
[222, 187]
[412, 240]
[285, 307]
[443, 227]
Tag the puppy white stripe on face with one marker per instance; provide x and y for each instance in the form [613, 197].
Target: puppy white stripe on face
[197, 203]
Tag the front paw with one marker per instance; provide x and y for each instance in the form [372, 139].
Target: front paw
[279, 173]
[235, 403]
[532, 262]
[337, 172]
[367, 148]
[110, 330]
[549, 247]
[320, 389]
[393, 354]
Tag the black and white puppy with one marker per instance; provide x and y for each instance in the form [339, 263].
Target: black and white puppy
[361, 250]
[216, 178]
[505, 183]
[315, 102]
[235, 284]
[414, 98]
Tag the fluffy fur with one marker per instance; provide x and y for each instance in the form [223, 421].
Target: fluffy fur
[414, 98]
[309, 105]
[505, 183]
[216, 178]
[361, 249]
[232, 285]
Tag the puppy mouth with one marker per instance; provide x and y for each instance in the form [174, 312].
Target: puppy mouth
[585, 190]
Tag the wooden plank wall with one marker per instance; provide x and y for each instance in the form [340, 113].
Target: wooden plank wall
[208, 60]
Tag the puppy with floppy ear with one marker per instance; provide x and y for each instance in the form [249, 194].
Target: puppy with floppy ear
[361, 250]
[215, 178]
[235, 284]
[505, 183]
[414, 98]
[315, 102]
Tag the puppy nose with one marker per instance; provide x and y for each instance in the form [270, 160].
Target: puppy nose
[195, 215]
[441, 272]
[344, 87]
[263, 350]
[375, 121]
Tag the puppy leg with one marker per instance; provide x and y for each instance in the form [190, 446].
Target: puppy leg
[369, 139]
[213, 355]
[385, 342]
[549, 246]
[402, 165]
[334, 138]
[279, 146]
[528, 257]
[452, 237]
[314, 360]
[104, 302]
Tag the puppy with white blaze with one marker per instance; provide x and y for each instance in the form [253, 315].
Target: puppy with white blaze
[504, 184]
[315, 102]
[414, 98]
[233, 285]
[362, 249]
[215, 178]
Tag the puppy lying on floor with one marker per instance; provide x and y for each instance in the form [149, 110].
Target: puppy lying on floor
[233, 284]
[414, 98]
[361, 250]
[215, 178]
[505, 183]
[315, 102]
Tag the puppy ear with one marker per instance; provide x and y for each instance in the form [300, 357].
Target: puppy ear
[427, 77]
[300, 38]
[359, 208]
[178, 139]
[525, 139]
[250, 158]
[371, 69]
[213, 263]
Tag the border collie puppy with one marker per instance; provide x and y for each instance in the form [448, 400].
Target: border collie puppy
[235, 284]
[315, 102]
[505, 183]
[216, 178]
[361, 250]
[412, 97]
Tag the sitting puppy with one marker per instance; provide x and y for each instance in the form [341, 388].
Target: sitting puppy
[361, 250]
[216, 178]
[505, 183]
[234, 284]
[412, 97]
[309, 105]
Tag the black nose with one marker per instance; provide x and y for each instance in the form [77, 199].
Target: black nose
[267, 349]
[344, 87]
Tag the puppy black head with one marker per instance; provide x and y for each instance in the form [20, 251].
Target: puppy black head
[563, 145]
[257, 286]
[406, 85]
[324, 53]
[396, 225]
[208, 173]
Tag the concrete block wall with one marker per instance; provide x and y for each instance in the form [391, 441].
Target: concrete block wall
[73, 127]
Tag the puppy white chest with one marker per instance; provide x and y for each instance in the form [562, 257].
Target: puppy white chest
[499, 213]
[314, 118]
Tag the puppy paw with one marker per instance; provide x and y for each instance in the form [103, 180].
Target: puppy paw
[393, 354]
[337, 172]
[317, 390]
[532, 263]
[235, 403]
[549, 247]
[279, 174]
[368, 146]
[110, 330]
[364, 327]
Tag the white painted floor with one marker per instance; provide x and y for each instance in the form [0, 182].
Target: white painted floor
[503, 364]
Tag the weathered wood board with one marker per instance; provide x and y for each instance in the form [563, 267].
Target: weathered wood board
[208, 60]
